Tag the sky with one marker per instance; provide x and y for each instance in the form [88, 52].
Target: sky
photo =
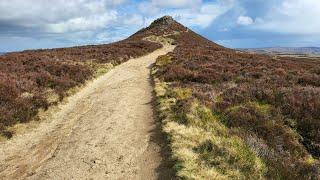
[34, 24]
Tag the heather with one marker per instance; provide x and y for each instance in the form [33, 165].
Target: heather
[272, 104]
[36, 79]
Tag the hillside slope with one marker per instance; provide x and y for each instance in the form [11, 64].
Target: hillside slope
[231, 114]
[33, 80]
[102, 132]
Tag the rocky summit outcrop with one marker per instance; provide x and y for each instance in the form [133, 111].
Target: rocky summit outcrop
[164, 21]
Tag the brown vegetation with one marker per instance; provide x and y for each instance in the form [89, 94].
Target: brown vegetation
[273, 104]
[35, 79]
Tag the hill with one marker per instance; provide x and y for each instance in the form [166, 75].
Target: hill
[238, 115]
[311, 51]
[101, 132]
[227, 114]
[34, 80]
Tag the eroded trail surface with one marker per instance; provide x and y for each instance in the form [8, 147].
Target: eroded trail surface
[103, 132]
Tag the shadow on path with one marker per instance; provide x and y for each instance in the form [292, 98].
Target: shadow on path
[165, 170]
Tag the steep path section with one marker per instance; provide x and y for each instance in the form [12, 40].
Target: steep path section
[103, 132]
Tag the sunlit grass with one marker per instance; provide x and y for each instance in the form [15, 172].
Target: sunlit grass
[202, 146]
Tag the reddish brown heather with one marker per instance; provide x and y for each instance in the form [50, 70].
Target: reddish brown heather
[27, 78]
[272, 103]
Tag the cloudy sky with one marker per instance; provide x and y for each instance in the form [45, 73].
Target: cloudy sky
[30, 24]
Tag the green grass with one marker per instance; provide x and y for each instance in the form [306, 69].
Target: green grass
[102, 69]
[163, 60]
[201, 144]
[181, 93]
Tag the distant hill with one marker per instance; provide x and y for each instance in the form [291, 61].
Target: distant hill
[286, 50]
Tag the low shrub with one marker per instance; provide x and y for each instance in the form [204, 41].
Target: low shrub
[272, 104]
[32, 80]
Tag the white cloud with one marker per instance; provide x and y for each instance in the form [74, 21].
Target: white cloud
[69, 22]
[133, 20]
[148, 8]
[48, 11]
[244, 20]
[204, 17]
[59, 15]
[107, 37]
[73, 16]
[292, 17]
[176, 3]
[83, 23]
[190, 13]
[155, 6]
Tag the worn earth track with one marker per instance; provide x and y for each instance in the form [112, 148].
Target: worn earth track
[106, 131]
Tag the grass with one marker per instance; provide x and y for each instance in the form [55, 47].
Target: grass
[159, 39]
[203, 147]
[181, 93]
[163, 60]
[201, 144]
[102, 69]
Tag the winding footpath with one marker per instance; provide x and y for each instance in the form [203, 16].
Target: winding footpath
[105, 131]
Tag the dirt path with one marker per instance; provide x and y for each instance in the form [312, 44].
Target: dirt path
[103, 132]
